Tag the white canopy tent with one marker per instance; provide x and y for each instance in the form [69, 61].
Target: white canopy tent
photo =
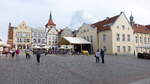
[73, 40]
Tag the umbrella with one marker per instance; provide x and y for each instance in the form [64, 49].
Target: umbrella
[37, 47]
[46, 47]
[1, 44]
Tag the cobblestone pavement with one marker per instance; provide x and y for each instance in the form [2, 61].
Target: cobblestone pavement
[57, 69]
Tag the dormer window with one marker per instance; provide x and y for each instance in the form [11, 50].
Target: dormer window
[117, 27]
[123, 27]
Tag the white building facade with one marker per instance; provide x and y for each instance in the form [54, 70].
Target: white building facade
[38, 37]
[51, 34]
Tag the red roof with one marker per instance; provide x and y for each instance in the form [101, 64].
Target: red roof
[50, 23]
[148, 26]
[105, 24]
[141, 28]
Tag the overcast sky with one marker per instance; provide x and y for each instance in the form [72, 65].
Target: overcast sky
[68, 12]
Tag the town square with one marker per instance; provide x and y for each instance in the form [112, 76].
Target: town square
[74, 42]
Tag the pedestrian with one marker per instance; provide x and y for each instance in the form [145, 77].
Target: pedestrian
[12, 52]
[102, 53]
[6, 51]
[38, 55]
[97, 55]
[27, 52]
[17, 52]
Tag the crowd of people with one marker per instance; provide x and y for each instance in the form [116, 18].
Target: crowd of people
[15, 52]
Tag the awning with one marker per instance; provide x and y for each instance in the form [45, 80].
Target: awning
[73, 40]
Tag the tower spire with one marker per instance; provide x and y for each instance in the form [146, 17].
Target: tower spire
[50, 16]
[131, 19]
[50, 21]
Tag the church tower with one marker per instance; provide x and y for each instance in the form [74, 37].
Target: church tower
[131, 20]
[50, 23]
[10, 35]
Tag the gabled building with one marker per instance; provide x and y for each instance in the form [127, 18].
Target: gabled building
[114, 35]
[142, 38]
[51, 33]
[89, 33]
[38, 37]
[22, 36]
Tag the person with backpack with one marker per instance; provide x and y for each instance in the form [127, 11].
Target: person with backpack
[97, 55]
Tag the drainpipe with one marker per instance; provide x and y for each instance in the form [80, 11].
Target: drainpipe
[97, 39]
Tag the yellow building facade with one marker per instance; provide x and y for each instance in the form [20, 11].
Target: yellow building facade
[116, 35]
[22, 36]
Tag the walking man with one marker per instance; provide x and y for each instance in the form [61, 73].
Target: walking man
[97, 55]
[102, 53]
[38, 55]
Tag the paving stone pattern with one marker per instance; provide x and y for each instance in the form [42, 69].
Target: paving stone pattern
[66, 69]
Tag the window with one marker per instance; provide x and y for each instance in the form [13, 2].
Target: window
[145, 40]
[124, 49]
[34, 34]
[140, 39]
[43, 41]
[18, 40]
[91, 38]
[117, 27]
[39, 40]
[34, 40]
[87, 38]
[123, 27]
[104, 37]
[25, 40]
[39, 34]
[84, 37]
[55, 42]
[136, 39]
[123, 37]
[118, 37]
[128, 37]
[28, 40]
[118, 48]
[129, 48]
[148, 40]
[21, 40]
